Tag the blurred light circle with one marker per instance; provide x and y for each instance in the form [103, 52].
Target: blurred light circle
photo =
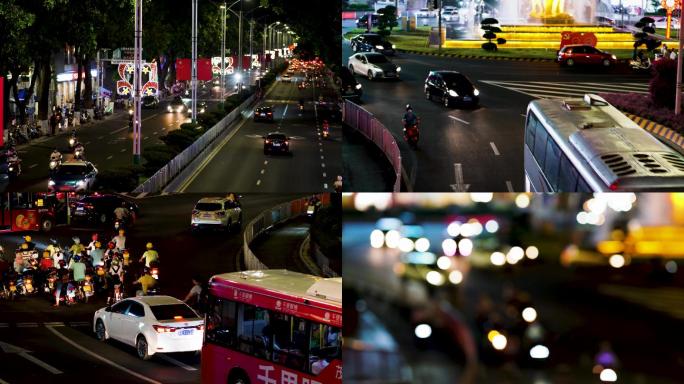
[454, 229]
[511, 259]
[406, 244]
[475, 228]
[492, 226]
[449, 247]
[435, 278]
[532, 252]
[608, 375]
[456, 277]
[444, 262]
[499, 342]
[529, 314]
[482, 197]
[522, 201]
[491, 334]
[671, 266]
[466, 247]
[517, 252]
[497, 258]
[377, 239]
[582, 217]
[422, 244]
[539, 352]
[423, 331]
[392, 238]
[617, 261]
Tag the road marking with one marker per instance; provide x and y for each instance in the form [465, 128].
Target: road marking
[27, 325]
[54, 324]
[87, 142]
[79, 323]
[4, 325]
[9, 348]
[259, 182]
[32, 166]
[321, 149]
[458, 185]
[322, 157]
[109, 157]
[100, 137]
[323, 165]
[146, 137]
[325, 186]
[509, 185]
[494, 148]
[178, 363]
[149, 117]
[265, 162]
[3, 381]
[123, 150]
[262, 171]
[114, 132]
[457, 119]
[155, 133]
[523, 115]
[103, 359]
[324, 174]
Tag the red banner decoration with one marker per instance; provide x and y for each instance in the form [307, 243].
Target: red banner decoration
[148, 79]
[584, 38]
[204, 69]
[183, 69]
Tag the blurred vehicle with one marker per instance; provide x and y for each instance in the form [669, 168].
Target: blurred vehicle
[362, 22]
[349, 87]
[217, 212]
[451, 87]
[99, 209]
[73, 176]
[177, 105]
[150, 102]
[201, 108]
[276, 142]
[605, 21]
[264, 113]
[40, 212]
[450, 15]
[661, 23]
[286, 78]
[374, 66]
[151, 324]
[372, 42]
[425, 13]
[577, 54]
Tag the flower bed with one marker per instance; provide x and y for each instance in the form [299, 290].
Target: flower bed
[642, 106]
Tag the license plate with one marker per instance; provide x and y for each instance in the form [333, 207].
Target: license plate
[276, 145]
[263, 114]
[185, 332]
[206, 215]
[467, 98]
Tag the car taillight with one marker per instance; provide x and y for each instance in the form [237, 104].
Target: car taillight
[270, 113]
[200, 327]
[268, 141]
[89, 206]
[163, 329]
[287, 142]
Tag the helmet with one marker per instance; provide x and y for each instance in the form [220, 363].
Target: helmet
[46, 254]
[111, 245]
[149, 246]
[24, 246]
[94, 237]
[121, 232]
[27, 238]
[77, 258]
[408, 107]
[98, 244]
[76, 240]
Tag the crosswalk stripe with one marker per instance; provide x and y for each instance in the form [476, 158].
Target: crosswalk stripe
[550, 90]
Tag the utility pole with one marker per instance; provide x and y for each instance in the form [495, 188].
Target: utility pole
[439, 25]
[223, 54]
[137, 66]
[194, 61]
[251, 27]
[240, 56]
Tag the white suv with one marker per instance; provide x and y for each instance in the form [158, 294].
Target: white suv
[151, 324]
[221, 212]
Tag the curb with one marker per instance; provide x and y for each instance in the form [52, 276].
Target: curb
[305, 257]
[489, 58]
[659, 130]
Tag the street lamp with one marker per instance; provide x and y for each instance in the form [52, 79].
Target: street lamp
[223, 53]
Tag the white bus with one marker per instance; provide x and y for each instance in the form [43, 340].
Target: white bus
[587, 145]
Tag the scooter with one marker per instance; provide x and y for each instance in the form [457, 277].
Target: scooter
[54, 164]
[14, 168]
[87, 288]
[641, 66]
[79, 152]
[411, 135]
[73, 140]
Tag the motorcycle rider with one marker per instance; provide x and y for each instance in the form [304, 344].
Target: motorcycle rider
[146, 281]
[19, 262]
[120, 240]
[79, 151]
[97, 254]
[76, 248]
[338, 184]
[301, 104]
[91, 245]
[78, 268]
[326, 128]
[150, 256]
[30, 244]
[122, 213]
[47, 262]
[56, 156]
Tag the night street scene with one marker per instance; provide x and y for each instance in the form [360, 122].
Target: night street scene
[182, 288]
[512, 96]
[161, 96]
[513, 288]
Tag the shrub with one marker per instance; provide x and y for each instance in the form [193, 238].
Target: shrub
[178, 140]
[641, 105]
[118, 179]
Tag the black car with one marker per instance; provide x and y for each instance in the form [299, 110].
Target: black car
[73, 176]
[276, 142]
[201, 108]
[263, 114]
[362, 22]
[349, 87]
[372, 42]
[177, 105]
[451, 87]
[150, 102]
[100, 208]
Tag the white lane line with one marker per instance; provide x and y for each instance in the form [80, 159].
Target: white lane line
[9, 348]
[114, 132]
[100, 137]
[27, 325]
[178, 363]
[155, 132]
[32, 166]
[262, 171]
[123, 150]
[323, 165]
[87, 142]
[259, 182]
[146, 137]
[79, 323]
[325, 186]
[509, 185]
[149, 117]
[494, 148]
[54, 324]
[459, 120]
[109, 157]
[103, 359]
[4, 325]
[265, 161]
[3, 381]
[321, 149]
[324, 174]
[322, 157]
[523, 115]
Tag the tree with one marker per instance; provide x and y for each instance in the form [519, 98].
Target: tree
[490, 28]
[387, 20]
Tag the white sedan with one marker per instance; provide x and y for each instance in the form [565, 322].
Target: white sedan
[152, 324]
[374, 65]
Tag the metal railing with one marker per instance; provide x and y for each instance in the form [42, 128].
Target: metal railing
[372, 129]
[268, 219]
[165, 174]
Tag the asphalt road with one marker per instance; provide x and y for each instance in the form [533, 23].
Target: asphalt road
[571, 306]
[62, 337]
[240, 164]
[486, 143]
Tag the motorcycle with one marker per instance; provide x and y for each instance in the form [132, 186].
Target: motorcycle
[18, 137]
[72, 140]
[84, 117]
[54, 164]
[411, 135]
[87, 288]
[79, 152]
[33, 132]
[14, 167]
[641, 65]
[50, 280]
[73, 294]
[27, 278]
[100, 278]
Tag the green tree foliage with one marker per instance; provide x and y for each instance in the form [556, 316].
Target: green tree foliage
[490, 28]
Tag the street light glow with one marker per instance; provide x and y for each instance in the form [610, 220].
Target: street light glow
[377, 238]
[423, 331]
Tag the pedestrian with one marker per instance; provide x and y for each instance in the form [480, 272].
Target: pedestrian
[673, 55]
[663, 50]
[53, 124]
[193, 297]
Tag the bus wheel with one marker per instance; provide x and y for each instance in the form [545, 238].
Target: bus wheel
[46, 224]
[238, 377]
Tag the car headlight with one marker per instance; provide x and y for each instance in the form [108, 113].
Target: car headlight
[398, 69]
[202, 110]
[613, 57]
[11, 169]
[380, 47]
[358, 86]
[51, 183]
[453, 93]
[476, 92]
[81, 183]
[394, 46]
[168, 108]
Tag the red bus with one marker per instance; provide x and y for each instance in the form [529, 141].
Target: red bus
[29, 211]
[273, 327]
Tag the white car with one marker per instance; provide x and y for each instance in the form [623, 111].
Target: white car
[152, 324]
[217, 212]
[425, 13]
[286, 78]
[373, 65]
[450, 15]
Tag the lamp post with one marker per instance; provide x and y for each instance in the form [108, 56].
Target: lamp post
[137, 66]
[194, 61]
[223, 54]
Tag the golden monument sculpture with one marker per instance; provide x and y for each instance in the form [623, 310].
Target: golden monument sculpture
[550, 12]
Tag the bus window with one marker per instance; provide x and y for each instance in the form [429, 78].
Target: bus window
[253, 333]
[290, 341]
[532, 124]
[552, 163]
[221, 322]
[324, 346]
[540, 145]
[568, 176]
